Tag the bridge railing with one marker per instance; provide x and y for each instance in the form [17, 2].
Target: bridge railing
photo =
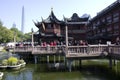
[39, 49]
[77, 49]
[23, 49]
[97, 49]
[114, 49]
[47, 49]
[87, 50]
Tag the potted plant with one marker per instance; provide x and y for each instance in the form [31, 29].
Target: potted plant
[4, 63]
[22, 62]
[13, 63]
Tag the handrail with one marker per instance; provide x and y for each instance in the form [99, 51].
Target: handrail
[78, 50]
[114, 49]
[87, 50]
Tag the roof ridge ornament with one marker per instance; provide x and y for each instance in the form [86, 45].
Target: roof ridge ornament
[42, 19]
[51, 9]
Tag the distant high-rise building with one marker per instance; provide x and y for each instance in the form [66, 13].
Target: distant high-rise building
[22, 20]
[14, 25]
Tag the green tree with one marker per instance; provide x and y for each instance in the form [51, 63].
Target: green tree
[18, 34]
[27, 36]
[6, 35]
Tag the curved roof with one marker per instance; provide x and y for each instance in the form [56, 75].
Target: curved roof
[52, 19]
[107, 10]
[76, 18]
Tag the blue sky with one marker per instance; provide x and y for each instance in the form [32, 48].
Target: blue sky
[11, 10]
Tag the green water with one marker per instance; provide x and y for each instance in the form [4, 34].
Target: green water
[91, 70]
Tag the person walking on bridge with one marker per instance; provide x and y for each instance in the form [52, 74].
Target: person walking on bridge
[117, 41]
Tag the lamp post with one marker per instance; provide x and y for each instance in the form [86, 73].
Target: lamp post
[32, 37]
[14, 41]
[35, 57]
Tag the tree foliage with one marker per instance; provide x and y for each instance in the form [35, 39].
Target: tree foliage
[20, 36]
[8, 35]
[12, 60]
[27, 36]
[4, 62]
[17, 34]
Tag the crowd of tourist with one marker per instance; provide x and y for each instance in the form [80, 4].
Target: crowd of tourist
[59, 43]
[117, 41]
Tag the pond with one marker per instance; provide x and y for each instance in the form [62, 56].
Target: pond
[91, 70]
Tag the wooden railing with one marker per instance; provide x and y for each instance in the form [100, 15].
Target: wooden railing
[23, 49]
[97, 49]
[114, 49]
[90, 50]
[73, 50]
[39, 49]
[48, 49]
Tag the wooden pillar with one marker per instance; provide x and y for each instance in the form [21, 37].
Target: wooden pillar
[74, 64]
[114, 62]
[64, 59]
[110, 63]
[32, 39]
[14, 41]
[39, 58]
[54, 59]
[66, 38]
[48, 59]
[59, 58]
[80, 63]
[35, 59]
[69, 65]
[116, 67]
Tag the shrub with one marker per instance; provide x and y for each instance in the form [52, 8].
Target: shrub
[21, 61]
[12, 61]
[4, 62]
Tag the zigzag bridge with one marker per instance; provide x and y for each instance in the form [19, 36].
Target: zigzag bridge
[73, 52]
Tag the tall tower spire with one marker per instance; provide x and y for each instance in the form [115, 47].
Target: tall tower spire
[22, 20]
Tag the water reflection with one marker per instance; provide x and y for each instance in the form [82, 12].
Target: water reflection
[22, 74]
[94, 71]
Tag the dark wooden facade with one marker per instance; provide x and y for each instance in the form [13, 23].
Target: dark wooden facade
[106, 25]
[77, 26]
[51, 29]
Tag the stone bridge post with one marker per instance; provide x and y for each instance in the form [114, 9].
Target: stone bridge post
[69, 64]
[35, 59]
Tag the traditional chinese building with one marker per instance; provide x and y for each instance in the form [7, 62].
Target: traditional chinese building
[106, 25]
[50, 29]
[77, 26]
